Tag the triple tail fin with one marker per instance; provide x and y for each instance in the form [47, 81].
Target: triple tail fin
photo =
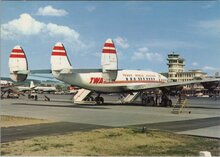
[59, 59]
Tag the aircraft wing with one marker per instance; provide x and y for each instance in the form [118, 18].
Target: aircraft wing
[45, 71]
[170, 84]
[86, 70]
[49, 71]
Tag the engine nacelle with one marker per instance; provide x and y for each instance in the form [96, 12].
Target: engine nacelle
[172, 90]
[18, 65]
[210, 85]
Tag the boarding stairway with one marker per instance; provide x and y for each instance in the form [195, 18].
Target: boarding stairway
[131, 97]
[84, 96]
[81, 95]
[180, 104]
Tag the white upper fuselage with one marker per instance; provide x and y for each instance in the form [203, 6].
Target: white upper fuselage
[95, 82]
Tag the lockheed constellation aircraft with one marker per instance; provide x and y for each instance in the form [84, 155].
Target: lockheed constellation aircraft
[108, 79]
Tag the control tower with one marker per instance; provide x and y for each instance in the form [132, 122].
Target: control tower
[175, 65]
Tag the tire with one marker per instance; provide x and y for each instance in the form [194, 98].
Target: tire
[97, 100]
[169, 103]
[101, 99]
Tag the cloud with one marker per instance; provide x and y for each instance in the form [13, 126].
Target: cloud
[91, 8]
[50, 11]
[195, 64]
[55, 30]
[26, 26]
[210, 68]
[212, 26]
[171, 44]
[144, 53]
[123, 43]
[209, 4]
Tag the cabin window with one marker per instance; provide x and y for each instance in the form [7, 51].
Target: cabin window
[143, 78]
[131, 79]
[134, 78]
[126, 79]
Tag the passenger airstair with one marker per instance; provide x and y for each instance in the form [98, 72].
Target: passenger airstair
[131, 97]
[180, 105]
[81, 95]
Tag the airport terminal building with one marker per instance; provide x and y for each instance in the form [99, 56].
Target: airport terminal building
[176, 73]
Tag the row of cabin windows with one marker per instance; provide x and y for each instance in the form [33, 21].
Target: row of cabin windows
[139, 79]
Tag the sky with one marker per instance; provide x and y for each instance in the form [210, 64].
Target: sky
[144, 32]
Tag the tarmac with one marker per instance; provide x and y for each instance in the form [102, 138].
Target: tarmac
[202, 118]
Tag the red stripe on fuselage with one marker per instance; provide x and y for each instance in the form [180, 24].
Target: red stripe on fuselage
[58, 48]
[108, 51]
[92, 81]
[116, 82]
[17, 56]
[58, 54]
[17, 50]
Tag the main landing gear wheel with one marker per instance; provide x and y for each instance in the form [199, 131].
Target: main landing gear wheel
[99, 100]
[165, 101]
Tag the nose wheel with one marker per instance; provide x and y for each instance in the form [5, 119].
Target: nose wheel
[99, 100]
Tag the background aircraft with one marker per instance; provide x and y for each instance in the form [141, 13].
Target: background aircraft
[42, 89]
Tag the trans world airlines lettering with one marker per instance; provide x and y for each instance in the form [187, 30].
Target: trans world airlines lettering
[96, 80]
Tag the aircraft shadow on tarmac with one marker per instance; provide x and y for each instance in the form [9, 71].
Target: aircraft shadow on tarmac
[86, 106]
[105, 105]
[69, 106]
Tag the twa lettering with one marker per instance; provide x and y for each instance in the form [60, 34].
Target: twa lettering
[96, 80]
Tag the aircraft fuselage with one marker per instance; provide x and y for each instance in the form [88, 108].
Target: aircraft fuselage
[95, 82]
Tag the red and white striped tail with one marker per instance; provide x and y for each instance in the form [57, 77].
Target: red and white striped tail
[109, 56]
[18, 63]
[59, 59]
[109, 47]
[109, 61]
